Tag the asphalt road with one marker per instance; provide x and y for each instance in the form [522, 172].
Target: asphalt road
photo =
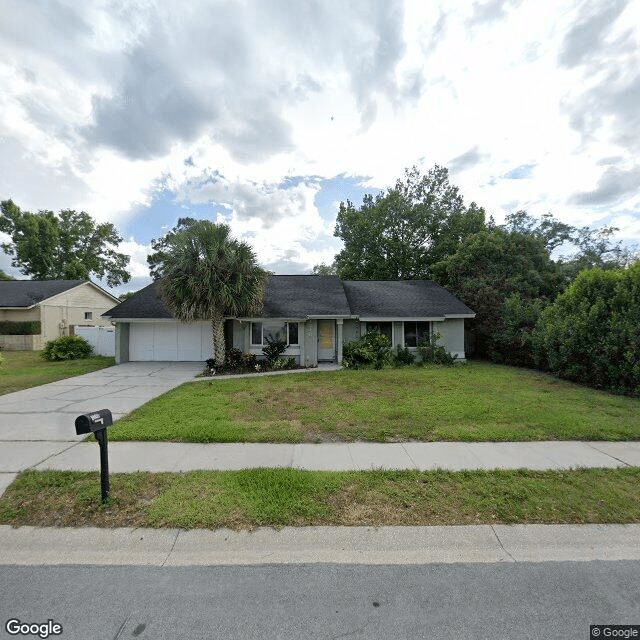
[523, 600]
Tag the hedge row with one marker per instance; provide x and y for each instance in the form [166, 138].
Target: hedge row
[12, 328]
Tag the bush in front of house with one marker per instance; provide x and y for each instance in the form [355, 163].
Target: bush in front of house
[373, 349]
[281, 364]
[403, 357]
[273, 350]
[240, 362]
[24, 328]
[67, 348]
[433, 353]
[237, 361]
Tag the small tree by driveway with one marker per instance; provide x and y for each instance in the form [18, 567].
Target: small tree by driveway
[204, 273]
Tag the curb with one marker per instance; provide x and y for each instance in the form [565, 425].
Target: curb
[334, 545]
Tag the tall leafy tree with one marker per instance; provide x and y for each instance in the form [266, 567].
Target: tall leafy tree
[324, 269]
[491, 266]
[401, 233]
[203, 273]
[583, 247]
[67, 246]
[162, 245]
[553, 232]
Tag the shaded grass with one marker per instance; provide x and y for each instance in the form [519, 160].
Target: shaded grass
[25, 369]
[475, 402]
[289, 497]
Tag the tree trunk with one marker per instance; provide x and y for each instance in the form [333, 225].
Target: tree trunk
[217, 334]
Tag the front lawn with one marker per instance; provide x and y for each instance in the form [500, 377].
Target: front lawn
[475, 402]
[290, 497]
[25, 369]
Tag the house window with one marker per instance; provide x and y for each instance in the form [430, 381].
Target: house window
[293, 332]
[88, 315]
[413, 332]
[382, 327]
[261, 331]
[256, 333]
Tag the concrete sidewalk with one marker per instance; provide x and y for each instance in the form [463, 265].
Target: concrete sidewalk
[127, 457]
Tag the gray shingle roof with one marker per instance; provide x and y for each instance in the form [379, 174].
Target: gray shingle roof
[302, 296]
[145, 303]
[402, 299]
[26, 293]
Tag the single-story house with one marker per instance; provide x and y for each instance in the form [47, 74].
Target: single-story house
[59, 305]
[316, 315]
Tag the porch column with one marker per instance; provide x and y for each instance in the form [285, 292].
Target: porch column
[246, 336]
[339, 323]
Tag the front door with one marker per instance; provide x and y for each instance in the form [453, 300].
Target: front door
[326, 340]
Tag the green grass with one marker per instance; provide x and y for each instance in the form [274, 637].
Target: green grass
[25, 369]
[476, 402]
[290, 497]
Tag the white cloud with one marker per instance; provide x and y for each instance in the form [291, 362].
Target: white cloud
[103, 103]
[280, 222]
[138, 267]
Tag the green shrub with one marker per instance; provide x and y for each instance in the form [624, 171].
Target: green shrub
[403, 357]
[372, 350]
[238, 361]
[281, 364]
[511, 342]
[248, 361]
[67, 348]
[235, 361]
[273, 350]
[25, 328]
[433, 353]
[591, 334]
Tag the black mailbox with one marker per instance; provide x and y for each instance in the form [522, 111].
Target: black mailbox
[94, 421]
[97, 422]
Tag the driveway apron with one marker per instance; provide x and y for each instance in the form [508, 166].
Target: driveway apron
[37, 423]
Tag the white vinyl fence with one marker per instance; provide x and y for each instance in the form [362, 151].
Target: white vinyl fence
[102, 339]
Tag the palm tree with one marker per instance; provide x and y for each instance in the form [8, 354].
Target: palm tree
[206, 274]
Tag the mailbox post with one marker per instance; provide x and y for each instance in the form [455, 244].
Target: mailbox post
[97, 423]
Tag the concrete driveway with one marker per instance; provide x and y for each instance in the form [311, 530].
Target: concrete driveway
[39, 422]
[48, 412]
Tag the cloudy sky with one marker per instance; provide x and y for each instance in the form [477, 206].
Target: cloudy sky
[267, 113]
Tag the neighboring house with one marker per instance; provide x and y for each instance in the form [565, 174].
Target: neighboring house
[314, 314]
[59, 306]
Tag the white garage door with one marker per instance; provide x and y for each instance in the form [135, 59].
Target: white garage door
[169, 341]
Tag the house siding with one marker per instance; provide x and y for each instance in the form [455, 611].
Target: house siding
[20, 315]
[69, 308]
[398, 336]
[310, 343]
[452, 335]
[350, 331]
[241, 335]
[122, 342]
